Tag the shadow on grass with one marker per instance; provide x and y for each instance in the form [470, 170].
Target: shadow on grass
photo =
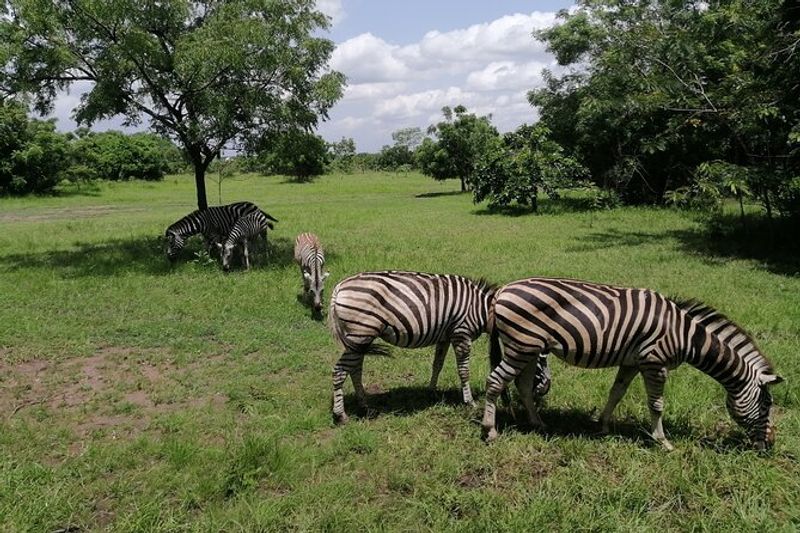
[438, 194]
[402, 401]
[547, 206]
[143, 255]
[772, 243]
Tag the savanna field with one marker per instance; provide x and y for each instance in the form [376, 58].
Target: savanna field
[138, 396]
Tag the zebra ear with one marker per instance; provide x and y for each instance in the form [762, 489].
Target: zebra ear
[770, 379]
[325, 275]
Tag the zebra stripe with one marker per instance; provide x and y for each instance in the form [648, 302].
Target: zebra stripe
[407, 309]
[640, 331]
[310, 257]
[213, 223]
[247, 227]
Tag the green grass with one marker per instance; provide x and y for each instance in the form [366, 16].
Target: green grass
[138, 397]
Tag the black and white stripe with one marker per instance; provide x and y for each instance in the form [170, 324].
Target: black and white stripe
[308, 254]
[407, 309]
[213, 223]
[246, 228]
[640, 331]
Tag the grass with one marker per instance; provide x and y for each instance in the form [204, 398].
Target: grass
[139, 397]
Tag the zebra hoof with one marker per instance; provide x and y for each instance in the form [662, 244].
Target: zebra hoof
[666, 445]
[489, 435]
[340, 419]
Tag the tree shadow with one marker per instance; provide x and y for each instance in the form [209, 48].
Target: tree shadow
[546, 206]
[613, 239]
[774, 244]
[438, 194]
[278, 254]
[296, 180]
[142, 254]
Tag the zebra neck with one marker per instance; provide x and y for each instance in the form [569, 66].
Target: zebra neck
[720, 361]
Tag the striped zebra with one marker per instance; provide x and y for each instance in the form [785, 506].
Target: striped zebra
[309, 255]
[213, 223]
[638, 330]
[407, 309]
[246, 228]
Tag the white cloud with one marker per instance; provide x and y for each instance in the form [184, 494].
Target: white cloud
[406, 106]
[368, 59]
[372, 91]
[499, 75]
[332, 8]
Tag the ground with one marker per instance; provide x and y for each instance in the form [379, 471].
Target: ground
[135, 395]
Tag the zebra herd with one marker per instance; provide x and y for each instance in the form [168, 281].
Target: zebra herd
[584, 324]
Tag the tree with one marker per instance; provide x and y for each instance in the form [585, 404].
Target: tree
[460, 139]
[205, 73]
[294, 153]
[664, 87]
[411, 138]
[113, 155]
[343, 154]
[33, 156]
[517, 166]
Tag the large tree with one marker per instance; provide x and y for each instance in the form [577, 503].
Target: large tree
[460, 140]
[661, 87]
[205, 73]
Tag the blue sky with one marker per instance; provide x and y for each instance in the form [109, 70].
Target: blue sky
[406, 60]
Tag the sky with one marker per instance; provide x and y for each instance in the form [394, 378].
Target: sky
[405, 60]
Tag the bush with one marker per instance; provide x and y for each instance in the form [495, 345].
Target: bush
[293, 153]
[115, 156]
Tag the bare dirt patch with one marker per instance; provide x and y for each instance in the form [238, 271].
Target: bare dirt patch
[115, 392]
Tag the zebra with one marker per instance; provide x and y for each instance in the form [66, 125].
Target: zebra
[309, 255]
[640, 331]
[213, 223]
[406, 309]
[248, 226]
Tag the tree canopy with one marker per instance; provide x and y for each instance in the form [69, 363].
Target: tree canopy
[460, 138]
[205, 73]
[659, 89]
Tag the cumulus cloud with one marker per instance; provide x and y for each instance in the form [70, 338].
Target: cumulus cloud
[332, 8]
[487, 67]
[368, 59]
[499, 75]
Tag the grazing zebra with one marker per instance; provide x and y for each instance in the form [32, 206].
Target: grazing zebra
[638, 330]
[309, 255]
[407, 309]
[247, 227]
[213, 223]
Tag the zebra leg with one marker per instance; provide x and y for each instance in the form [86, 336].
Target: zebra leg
[246, 254]
[358, 385]
[525, 383]
[462, 349]
[509, 368]
[625, 376]
[438, 362]
[654, 379]
[347, 362]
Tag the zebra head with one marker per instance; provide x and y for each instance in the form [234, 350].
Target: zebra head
[226, 253]
[175, 243]
[751, 408]
[315, 283]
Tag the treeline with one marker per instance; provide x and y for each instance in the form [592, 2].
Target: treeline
[35, 158]
[680, 101]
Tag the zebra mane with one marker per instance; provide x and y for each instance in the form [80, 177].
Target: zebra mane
[485, 285]
[707, 315]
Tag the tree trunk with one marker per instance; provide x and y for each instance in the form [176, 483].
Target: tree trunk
[200, 183]
[463, 185]
[535, 200]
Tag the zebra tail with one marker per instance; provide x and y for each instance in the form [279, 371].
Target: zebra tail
[496, 354]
